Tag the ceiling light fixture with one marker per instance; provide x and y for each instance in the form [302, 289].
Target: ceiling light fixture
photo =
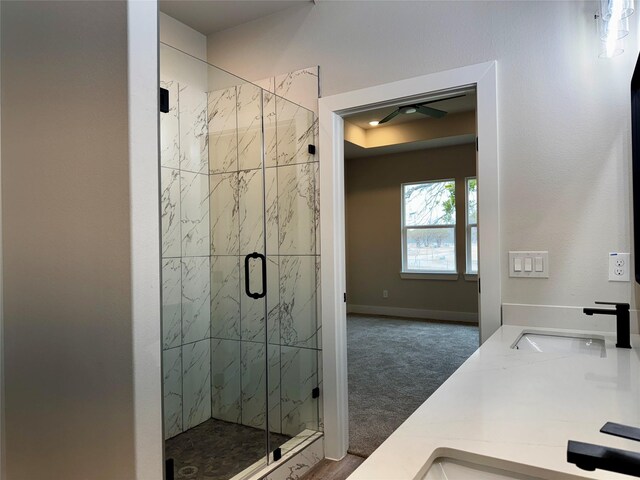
[613, 25]
[374, 123]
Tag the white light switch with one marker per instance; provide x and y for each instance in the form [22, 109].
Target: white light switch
[538, 264]
[517, 264]
[529, 264]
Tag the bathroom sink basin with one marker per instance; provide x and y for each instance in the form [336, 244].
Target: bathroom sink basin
[445, 468]
[591, 345]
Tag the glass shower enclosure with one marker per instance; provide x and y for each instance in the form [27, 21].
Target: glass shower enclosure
[240, 272]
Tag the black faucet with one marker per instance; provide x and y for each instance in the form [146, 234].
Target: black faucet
[590, 457]
[623, 322]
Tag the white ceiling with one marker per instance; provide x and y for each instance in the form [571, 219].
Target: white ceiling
[210, 16]
[449, 105]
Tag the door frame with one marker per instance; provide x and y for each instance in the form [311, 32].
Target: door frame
[332, 221]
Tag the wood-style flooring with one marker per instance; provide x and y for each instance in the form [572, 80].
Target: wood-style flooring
[330, 470]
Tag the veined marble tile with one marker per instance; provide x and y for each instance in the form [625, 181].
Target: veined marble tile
[225, 226]
[251, 201]
[196, 322]
[316, 213]
[268, 84]
[321, 398]
[294, 131]
[223, 132]
[170, 129]
[273, 299]
[296, 467]
[225, 384]
[296, 209]
[171, 303]
[275, 421]
[300, 87]
[194, 216]
[270, 129]
[254, 383]
[271, 184]
[194, 138]
[249, 110]
[298, 313]
[299, 377]
[225, 297]
[318, 302]
[252, 309]
[170, 204]
[172, 391]
[196, 383]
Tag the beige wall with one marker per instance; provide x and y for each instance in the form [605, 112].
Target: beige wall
[68, 359]
[374, 236]
[563, 113]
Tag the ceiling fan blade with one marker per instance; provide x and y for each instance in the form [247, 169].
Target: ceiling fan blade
[430, 112]
[389, 117]
[442, 99]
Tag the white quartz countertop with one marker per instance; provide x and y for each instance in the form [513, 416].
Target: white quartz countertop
[520, 407]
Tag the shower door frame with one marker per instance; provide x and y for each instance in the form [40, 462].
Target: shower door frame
[332, 220]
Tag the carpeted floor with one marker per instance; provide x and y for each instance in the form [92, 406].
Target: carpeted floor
[394, 366]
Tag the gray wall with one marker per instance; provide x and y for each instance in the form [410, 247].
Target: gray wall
[65, 196]
[564, 118]
[374, 243]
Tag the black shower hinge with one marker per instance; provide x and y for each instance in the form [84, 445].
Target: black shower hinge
[164, 100]
[312, 149]
[277, 454]
[168, 467]
[315, 393]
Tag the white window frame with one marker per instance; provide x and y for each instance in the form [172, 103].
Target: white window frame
[409, 273]
[468, 226]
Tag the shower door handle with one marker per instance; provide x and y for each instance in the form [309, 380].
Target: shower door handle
[255, 295]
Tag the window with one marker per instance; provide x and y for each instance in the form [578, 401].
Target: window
[429, 227]
[472, 225]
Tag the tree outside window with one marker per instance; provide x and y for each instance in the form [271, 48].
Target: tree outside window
[428, 227]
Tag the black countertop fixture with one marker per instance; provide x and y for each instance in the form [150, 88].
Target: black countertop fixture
[623, 322]
[590, 457]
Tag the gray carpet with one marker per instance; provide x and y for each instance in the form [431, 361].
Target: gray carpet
[394, 366]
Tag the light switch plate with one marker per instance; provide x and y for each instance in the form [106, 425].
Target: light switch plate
[619, 267]
[530, 261]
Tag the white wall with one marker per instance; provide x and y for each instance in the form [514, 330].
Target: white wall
[80, 240]
[564, 115]
[182, 37]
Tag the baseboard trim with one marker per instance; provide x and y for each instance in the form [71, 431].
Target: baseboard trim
[444, 315]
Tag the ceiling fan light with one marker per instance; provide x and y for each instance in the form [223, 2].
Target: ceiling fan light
[409, 110]
[374, 123]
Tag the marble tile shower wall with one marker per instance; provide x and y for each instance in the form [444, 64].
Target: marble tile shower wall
[237, 229]
[186, 341]
[214, 350]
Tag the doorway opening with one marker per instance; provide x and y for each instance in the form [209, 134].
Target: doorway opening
[411, 256]
[332, 110]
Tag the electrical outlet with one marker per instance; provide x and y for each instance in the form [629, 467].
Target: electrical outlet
[385, 293]
[619, 267]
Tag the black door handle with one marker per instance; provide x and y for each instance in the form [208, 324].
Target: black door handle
[255, 295]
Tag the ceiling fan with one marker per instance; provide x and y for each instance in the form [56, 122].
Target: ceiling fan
[417, 108]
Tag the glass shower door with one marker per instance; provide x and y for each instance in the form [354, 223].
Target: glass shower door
[240, 258]
[291, 173]
[239, 282]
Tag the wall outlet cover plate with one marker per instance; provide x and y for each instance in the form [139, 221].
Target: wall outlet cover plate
[619, 267]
